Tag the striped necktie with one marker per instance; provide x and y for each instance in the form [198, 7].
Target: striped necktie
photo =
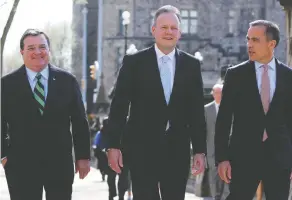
[39, 93]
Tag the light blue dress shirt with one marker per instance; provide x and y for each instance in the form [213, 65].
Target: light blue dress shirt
[44, 80]
[272, 76]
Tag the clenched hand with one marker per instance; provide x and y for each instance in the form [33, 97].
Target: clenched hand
[224, 171]
[115, 160]
[198, 166]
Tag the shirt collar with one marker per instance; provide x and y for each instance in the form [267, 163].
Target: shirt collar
[32, 74]
[160, 54]
[271, 64]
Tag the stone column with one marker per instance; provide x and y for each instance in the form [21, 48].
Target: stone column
[288, 11]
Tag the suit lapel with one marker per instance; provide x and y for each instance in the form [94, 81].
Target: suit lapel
[280, 73]
[177, 74]
[213, 112]
[27, 96]
[52, 87]
[254, 85]
[153, 65]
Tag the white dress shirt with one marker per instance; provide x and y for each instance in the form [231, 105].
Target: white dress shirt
[217, 107]
[171, 55]
[44, 80]
[271, 73]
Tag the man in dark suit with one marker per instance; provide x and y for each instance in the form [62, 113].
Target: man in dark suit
[256, 103]
[41, 105]
[163, 88]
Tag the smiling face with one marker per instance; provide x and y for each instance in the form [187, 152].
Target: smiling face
[35, 52]
[166, 31]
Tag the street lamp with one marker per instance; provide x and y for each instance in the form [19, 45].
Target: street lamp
[126, 21]
[199, 56]
[132, 49]
[84, 55]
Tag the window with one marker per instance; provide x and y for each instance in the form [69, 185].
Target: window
[189, 21]
[231, 21]
[247, 15]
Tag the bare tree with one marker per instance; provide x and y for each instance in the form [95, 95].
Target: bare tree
[6, 29]
[61, 38]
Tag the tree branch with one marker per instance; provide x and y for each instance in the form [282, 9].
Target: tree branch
[8, 24]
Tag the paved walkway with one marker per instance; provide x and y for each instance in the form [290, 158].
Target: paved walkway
[90, 188]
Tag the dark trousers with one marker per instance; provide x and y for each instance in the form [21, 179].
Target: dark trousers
[246, 178]
[123, 182]
[166, 176]
[102, 163]
[28, 183]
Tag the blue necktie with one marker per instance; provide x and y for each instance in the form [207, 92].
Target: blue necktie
[165, 76]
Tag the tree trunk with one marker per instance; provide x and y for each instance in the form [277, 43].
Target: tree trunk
[6, 30]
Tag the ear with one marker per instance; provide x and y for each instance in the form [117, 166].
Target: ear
[273, 43]
[179, 34]
[153, 28]
[21, 51]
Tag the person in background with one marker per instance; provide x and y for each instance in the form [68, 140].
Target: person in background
[218, 188]
[99, 145]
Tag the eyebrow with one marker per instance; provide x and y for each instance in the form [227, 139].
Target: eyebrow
[32, 45]
[252, 38]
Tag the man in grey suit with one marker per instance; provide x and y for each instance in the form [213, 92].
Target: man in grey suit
[210, 179]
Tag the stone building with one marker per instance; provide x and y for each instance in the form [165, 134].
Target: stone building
[217, 29]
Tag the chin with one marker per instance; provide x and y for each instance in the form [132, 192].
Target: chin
[251, 58]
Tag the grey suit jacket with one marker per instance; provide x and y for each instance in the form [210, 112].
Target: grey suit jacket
[210, 114]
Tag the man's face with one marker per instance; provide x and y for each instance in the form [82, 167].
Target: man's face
[217, 92]
[260, 49]
[166, 31]
[35, 52]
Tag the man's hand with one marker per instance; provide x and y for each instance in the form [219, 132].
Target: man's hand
[291, 175]
[224, 171]
[115, 160]
[198, 166]
[83, 167]
[4, 161]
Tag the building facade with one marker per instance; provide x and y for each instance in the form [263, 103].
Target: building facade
[216, 29]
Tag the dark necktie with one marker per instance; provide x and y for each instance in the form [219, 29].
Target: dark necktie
[39, 93]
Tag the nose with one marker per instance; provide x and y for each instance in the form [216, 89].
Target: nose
[168, 31]
[37, 51]
[249, 44]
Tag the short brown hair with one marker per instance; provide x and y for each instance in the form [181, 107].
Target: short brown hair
[32, 32]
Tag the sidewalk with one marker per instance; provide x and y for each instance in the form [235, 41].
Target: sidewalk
[90, 188]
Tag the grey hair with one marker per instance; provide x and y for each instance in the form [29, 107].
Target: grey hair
[217, 85]
[272, 29]
[166, 9]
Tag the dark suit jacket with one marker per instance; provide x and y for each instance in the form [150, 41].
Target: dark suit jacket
[46, 139]
[242, 108]
[139, 87]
